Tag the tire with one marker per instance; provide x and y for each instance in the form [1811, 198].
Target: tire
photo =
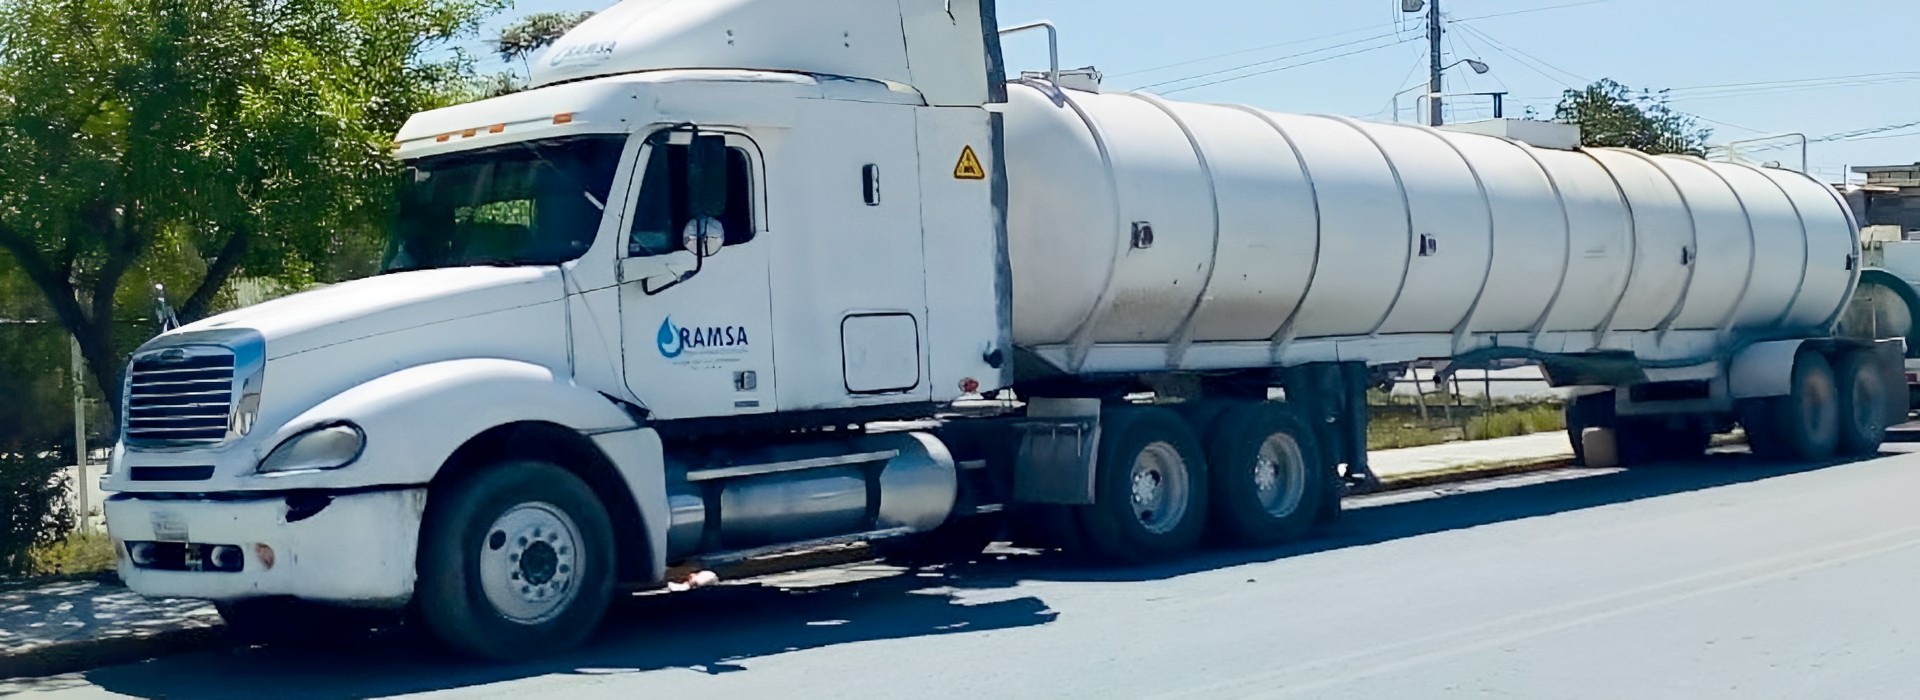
[1863, 405]
[1802, 426]
[1149, 485]
[471, 545]
[1266, 483]
[291, 621]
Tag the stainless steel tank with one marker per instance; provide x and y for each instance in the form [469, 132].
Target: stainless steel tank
[1153, 234]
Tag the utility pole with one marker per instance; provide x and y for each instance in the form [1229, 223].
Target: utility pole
[80, 434]
[1434, 86]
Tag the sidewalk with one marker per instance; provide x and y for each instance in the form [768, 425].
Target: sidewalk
[67, 626]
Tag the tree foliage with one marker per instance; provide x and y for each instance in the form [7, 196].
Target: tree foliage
[182, 142]
[520, 40]
[528, 35]
[1611, 114]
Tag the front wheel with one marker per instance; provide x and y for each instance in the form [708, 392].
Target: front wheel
[516, 561]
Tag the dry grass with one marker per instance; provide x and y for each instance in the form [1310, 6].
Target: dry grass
[77, 553]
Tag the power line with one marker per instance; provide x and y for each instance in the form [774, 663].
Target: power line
[1217, 56]
[1287, 67]
[1905, 75]
[1512, 50]
[1888, 136]
[1756, 92]
[1418, 61]
[1472, 32]
[1257, 64]
[1530, 10]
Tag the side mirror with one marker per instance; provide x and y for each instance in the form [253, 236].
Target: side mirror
[707, 176]
[703, 236]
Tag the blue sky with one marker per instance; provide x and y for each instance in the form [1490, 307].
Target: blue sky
[1854, 65]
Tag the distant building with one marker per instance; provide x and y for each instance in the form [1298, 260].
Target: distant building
[1892, 196]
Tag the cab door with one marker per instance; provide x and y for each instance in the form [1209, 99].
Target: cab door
[696, 331]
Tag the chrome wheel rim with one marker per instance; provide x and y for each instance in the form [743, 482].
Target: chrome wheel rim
[530, 563]
[1159, 487]
[1280, 475]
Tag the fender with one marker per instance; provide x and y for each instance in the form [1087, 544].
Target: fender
[1763, 369]
[415, 418]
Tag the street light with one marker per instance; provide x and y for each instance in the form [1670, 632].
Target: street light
[1479, 68]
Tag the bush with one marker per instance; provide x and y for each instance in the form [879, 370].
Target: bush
[1509, 422]
[34, 510]
[77, 553]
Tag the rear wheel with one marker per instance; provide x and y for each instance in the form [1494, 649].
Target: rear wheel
[1863, 404]
[1803, 425]
[1266, 480]
[1150, 487]
[516, 561]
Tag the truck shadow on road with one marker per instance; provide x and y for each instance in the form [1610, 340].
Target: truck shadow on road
[721, 630]
[1386, 517]
[709, 631]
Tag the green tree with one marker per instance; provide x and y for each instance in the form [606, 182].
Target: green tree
[523, 38]
[1611, 114]
[182, 142]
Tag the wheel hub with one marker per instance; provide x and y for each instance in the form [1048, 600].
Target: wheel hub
[1159, 487]
[1280, 474]
[528, 561]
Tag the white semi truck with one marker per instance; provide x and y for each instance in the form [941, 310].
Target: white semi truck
[739, 276]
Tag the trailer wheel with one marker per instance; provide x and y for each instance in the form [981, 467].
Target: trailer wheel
[516, 561]
[1267, 482]
[1863, 404]
[1803, 425]
[1150, 487]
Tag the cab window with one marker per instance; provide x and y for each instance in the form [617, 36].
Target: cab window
[662, 213]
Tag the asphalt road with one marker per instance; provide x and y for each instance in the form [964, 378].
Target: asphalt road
[1720, 578]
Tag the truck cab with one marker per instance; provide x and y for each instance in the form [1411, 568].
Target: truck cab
[632, 253]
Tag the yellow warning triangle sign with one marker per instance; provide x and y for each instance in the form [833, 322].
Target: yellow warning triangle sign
[969, 166]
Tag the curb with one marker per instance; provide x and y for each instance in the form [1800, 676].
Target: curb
[1482, 470]
[80, 655]
[1490, 470]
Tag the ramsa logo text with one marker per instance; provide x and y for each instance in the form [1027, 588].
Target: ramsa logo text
[675, 341]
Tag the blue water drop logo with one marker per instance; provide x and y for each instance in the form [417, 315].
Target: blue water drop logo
[669, 340]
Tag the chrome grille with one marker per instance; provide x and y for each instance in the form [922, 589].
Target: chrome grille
[180, 395]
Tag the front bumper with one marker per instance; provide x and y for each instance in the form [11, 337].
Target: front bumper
[356, 549]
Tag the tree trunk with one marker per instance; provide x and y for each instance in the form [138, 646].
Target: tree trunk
[96, 347]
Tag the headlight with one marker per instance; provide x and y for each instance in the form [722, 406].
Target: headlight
[330, 447]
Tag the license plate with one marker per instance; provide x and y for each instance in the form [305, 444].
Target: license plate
[169, 527]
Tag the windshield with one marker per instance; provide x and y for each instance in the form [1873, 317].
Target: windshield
[535, 203]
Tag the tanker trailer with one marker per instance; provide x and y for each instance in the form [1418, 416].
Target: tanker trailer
[1676, 296]
[737, 277]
